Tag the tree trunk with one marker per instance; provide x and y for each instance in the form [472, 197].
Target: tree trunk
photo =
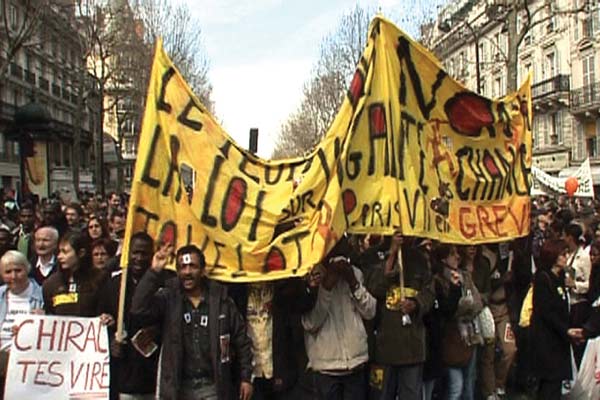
[98, 149]
[77, 129]
[120, 177]
[512, 52]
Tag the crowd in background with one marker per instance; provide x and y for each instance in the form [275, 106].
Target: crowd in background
[380, 318]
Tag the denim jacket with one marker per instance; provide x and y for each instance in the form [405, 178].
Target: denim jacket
[36, 300]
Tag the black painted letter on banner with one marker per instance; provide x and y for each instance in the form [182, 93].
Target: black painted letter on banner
[149, 216]
[146, 178]
[173, 168]
[404, 55]
[161, 104]
[378, 130]
[184, 117]
[253, 228]
[206, 218]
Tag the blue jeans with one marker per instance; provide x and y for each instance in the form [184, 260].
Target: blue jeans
[461, 381]
[403, 382]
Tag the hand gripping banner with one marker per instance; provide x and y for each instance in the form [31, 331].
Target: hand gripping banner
[410, 149]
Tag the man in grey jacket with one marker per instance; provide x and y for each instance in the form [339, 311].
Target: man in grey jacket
[335, 337]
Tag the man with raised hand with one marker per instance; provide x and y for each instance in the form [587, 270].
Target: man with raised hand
[199, 325]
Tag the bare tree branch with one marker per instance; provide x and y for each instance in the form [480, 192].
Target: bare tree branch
[182, 40]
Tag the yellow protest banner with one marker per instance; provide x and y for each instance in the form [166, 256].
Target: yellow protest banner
[410, 148]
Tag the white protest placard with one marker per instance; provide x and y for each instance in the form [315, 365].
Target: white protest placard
[58, 358]
[584, 178]
[536, 187]
[583, 174]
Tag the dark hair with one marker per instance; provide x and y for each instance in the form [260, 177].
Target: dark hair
[116, 213]
[107, 244]
[477, 260]
[557, 225]
[575, 231]
[142, 237]
[551, 250]
[551, 206]
[190, 248]
[77, 207]
[78, 241]
[442, 251]
[103, 226]
[341, 248]
[439, 252]
[595, 245]
[27, 206]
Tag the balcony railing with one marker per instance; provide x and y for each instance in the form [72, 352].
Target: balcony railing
[56, 90]
[555, 85]
[586, 97]
[7, 110]
[8, 157]
[44, 84]
[16, 70]
[30, 77]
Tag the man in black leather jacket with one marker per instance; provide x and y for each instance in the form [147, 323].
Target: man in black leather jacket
[202, 330]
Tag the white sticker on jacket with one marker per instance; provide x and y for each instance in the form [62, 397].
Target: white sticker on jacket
[224, 344]
[509, 336]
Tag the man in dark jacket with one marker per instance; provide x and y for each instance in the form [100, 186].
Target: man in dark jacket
[25, 230]
[402, 308]
[132, 374]
[52, 215]
[199, 324]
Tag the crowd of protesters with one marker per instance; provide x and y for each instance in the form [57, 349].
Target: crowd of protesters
[380, 318]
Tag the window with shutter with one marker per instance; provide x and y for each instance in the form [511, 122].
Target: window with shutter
[579, 148]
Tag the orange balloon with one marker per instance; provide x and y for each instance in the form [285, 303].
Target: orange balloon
[571, 185]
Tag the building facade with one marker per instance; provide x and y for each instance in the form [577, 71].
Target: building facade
[561, 51]
[47, 69]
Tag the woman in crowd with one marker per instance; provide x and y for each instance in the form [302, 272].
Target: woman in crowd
[594, 289]
[19, 295]
[478, 266]
[577, 280]
[459, 303]
[550, 321]
[97, 228]
[102, 251]
[433, 369]
[74, 288]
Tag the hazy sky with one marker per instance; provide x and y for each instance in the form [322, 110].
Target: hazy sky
[261, 53]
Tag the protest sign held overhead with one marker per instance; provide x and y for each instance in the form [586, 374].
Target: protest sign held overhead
[409, 149]
[58, 358]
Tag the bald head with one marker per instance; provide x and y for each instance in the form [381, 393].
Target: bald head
[46, 241]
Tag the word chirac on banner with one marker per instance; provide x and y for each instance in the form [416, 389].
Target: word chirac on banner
[58, 358]
[409, 149]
